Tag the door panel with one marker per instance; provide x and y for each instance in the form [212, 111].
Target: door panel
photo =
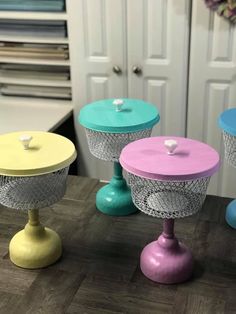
[103, 23]
[212, 86]
[158, 42]
[98, 30]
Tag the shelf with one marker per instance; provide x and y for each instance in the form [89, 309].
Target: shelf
[31, 102]
[31, 15]
[34, 82]
[40, 116]
[15, 100]
[35, 61]
[40, 40]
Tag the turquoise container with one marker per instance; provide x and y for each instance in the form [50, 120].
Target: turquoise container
[227, 122]
[110, 125]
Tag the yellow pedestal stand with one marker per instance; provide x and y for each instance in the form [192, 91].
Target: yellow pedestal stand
[35, 246]
[33, 170]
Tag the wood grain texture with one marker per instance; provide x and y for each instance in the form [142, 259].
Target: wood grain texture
[99, 270]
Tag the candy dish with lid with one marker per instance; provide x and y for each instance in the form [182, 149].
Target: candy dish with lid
[33, 172]
[227, 123]
[110, 125]
[168, 179]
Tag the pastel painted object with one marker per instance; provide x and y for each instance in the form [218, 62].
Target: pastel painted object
[166, 159]
[166, 260]
[227, 121]
[230, 214]
[32, 153]
[119, 115]
[28, 159]
[110, 124]
[149, 158]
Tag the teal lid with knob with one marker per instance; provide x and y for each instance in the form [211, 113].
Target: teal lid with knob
[119, 115]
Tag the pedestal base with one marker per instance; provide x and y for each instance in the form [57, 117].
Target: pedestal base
[166, 261]
[115, 198]
[230, 215]
[35, 247]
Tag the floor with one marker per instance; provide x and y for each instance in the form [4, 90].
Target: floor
[99, 270]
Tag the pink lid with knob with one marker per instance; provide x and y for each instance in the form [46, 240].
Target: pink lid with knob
[170, 159]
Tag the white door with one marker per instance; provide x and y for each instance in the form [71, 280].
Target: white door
[158, 40]
[157, 35]
[212, 86]
[97, 32]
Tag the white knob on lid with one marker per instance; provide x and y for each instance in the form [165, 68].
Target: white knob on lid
[118, 103]
[25, 139]
[171, 146]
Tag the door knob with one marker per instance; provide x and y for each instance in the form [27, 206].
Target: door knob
[137, 70]
[116, 69]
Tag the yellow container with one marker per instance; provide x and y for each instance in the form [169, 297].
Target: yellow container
[33, 171]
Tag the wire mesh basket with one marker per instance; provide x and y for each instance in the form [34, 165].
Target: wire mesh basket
[108, 146]
[168, 199]
[230, 148]
[33, 192]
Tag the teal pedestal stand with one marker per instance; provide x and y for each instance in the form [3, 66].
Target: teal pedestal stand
[115, 197]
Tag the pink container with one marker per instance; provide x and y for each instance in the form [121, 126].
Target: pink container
[168, 177]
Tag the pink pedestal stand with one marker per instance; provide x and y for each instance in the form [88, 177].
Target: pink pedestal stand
[168, 179]
[166, 260]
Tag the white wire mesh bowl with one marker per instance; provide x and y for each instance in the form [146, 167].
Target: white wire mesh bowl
[33, 192]
[168, 199]
[108, 146]
[230, 148]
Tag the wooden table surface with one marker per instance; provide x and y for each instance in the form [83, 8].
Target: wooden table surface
[99, 270]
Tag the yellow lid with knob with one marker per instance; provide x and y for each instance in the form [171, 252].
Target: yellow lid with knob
[32, 153]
